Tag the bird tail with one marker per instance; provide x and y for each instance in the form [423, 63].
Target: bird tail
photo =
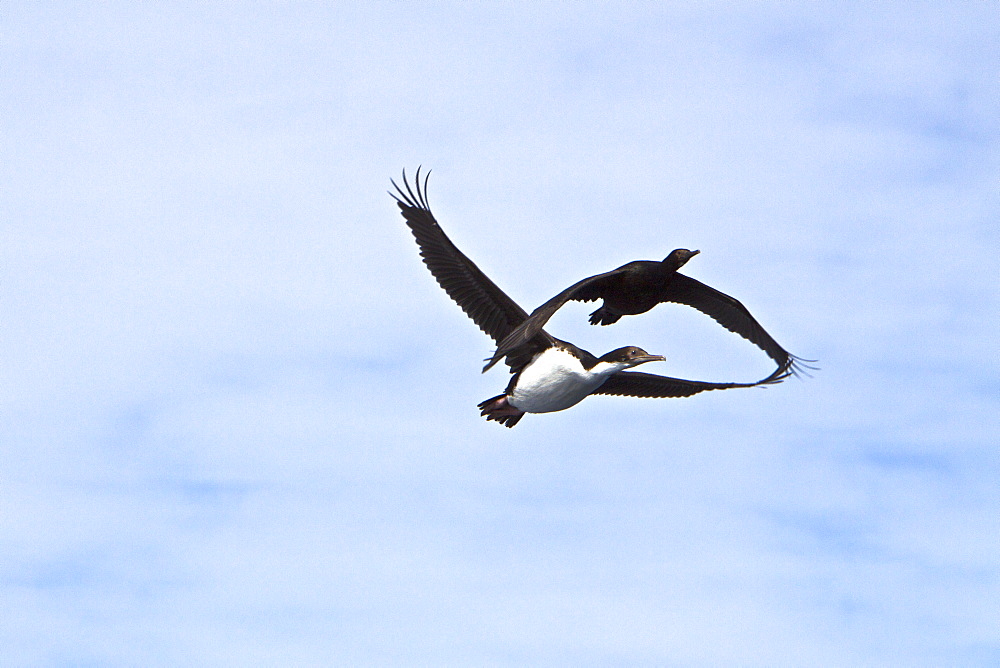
[499, 409]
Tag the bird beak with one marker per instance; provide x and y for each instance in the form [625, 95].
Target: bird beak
[636, 361]
[693, 253]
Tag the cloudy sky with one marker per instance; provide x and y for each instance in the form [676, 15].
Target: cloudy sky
[239, 417]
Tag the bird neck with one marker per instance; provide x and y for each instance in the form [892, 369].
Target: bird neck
[669, 265]
[605, 369]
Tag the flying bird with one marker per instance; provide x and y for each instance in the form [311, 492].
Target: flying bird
[548, 374]
[636, 287]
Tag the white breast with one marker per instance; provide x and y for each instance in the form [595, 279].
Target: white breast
[554, 381]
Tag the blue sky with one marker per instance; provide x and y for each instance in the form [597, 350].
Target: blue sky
[239, 420]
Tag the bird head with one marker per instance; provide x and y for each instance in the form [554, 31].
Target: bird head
[630, 356]
[678, 258]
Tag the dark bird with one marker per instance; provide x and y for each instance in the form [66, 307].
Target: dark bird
[637, 287]
[548, 374]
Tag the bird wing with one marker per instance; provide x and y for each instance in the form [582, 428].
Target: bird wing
[640, 384]
[732, 315]
[586, 290]
[489, 307]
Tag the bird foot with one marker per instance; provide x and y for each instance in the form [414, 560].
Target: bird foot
[498, 408]
[604, 317]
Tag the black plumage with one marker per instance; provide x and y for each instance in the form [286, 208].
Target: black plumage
[636, 288]
[499, 316]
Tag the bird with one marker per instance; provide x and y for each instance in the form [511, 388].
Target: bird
[548, 374]
[635, 288]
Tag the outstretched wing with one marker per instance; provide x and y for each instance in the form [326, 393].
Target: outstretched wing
[732, 315]
[586, 290]
[649, 385]
[489, 307]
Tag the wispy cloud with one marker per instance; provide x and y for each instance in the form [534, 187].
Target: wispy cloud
[240, 421]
